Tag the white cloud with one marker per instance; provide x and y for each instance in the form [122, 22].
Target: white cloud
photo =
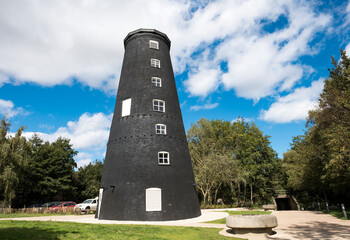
[82, 159]
[294, 106]
[90, 132]
[205, 106]
[48, 43]
[347, 49]
[202, 82]
[259, 64]
[3, 79]
[8, 109]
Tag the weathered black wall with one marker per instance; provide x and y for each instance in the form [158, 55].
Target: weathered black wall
[131, 163]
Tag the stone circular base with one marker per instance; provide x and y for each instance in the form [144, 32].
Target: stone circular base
[243, 224]
[269, 207]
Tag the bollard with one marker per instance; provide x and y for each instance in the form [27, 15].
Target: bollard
[327, 208]
[319, 206]
[344, 211]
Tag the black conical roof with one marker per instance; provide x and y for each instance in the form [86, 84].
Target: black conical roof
[147, 31]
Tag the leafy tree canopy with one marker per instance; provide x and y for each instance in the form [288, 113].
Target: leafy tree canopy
[318, 164]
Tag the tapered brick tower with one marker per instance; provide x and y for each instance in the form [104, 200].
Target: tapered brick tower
[147, 173]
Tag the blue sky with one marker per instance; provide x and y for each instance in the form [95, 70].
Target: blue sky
[262, 60]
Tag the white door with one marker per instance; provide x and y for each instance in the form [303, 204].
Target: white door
[153, 199]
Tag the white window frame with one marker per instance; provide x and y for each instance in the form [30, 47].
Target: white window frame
[154, 44]
[155, 63]
[162, 160]
[126, 107]
[161, 130]
[157, 106]
[156, 82]
[153, 199]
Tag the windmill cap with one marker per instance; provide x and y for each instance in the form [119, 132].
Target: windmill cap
[147, 31]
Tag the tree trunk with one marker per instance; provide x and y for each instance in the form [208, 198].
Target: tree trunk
[232, 191]
[210, 201]
[204, 195]
[238, 194]
[245, 194]
[325, 196]
[216, 194]
[251, 194]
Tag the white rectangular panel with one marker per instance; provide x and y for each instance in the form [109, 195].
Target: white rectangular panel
[99, 202]
[153, 199]
[126, 107]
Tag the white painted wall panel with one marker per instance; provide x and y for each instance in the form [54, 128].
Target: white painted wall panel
[153, 199]
[126, 107]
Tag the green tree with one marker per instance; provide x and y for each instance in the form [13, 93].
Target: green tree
[234, 155]
[88, 180]
[52, 169]
[13, 162]
[323, 154]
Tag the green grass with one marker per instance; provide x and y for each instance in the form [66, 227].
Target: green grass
[223, 220]
[19, 215]
[62, 230]
[338, 214]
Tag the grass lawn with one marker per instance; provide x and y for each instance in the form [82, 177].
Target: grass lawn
[19, 215]
[338, 214]
[63, 230]
[223, 220]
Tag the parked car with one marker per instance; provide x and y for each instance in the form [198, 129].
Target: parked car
[62, 207]
[88, 204]
[50, 204]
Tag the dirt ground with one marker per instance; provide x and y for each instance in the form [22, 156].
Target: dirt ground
[310, 225]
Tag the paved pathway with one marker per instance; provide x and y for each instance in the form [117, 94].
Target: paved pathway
[291, 224]
[310, 225]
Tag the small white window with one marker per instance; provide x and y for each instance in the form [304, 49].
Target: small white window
[156, 82]
[153, 199]
[163, 158]
[158, 105]
[126, 107]
[161, 129]
[153, 44]
[155, 63]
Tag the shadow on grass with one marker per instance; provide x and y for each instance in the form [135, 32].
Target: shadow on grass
[20, 233]
[319, 230]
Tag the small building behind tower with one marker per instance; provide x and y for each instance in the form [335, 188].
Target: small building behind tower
[147, 173]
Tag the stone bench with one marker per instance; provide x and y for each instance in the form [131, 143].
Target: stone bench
[269, 207]
[243, 224]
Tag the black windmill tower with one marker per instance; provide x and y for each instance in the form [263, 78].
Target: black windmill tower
[147, 173]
